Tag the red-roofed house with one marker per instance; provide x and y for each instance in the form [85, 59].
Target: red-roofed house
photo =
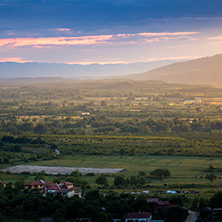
[53, 188]
[64, 188]
[76, 191]
[38, 184]
[138, 217]
[3, 183]
[159, 204]
[66, 184]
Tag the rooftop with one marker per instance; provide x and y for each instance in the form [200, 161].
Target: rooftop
[138, 215]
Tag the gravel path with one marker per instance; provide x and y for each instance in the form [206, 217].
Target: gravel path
[58, 170]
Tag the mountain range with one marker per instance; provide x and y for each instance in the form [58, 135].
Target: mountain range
[76, 71]
[207, 70]
[203, 71]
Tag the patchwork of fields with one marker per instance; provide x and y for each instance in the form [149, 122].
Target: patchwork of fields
[184, 170]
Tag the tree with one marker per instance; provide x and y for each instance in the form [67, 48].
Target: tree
[101, 180]
[176, 214]
[19, 184]
[160, 173]
[103, 103]
[132, 152]
[119, 180]
[142, 173]
[6, 160]
[17, 148]
[134, 180]
[211, 177]
[2, 218]
[75, 173]
[122, 151]
[216, 200]
[40, 175]
[41, 129]
[101, 217]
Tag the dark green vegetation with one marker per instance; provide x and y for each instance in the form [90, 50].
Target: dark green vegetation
[33, 205]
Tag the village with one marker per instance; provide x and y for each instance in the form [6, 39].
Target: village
[67, 189]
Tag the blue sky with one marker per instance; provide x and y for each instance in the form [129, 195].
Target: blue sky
[109, 31]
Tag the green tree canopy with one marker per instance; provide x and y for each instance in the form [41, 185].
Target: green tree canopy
[160, 173]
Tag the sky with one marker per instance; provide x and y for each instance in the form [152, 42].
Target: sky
[109, 31]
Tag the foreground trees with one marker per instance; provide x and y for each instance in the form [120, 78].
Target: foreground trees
[15, 204]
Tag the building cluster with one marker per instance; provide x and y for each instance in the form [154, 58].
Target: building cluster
[159, 203]
[138, 217]
[64, 188]
[3, 183]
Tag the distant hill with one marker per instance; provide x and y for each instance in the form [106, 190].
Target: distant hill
[33, 70]
[207, 70]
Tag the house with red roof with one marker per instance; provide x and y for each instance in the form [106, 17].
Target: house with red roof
[66, 184]
[159, 203]
[3, 183]
[38, 184]
[138, 217]
[63, 188]
[76, 191]
[52, 188]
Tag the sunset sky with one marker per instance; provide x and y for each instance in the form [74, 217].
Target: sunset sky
[109, 31]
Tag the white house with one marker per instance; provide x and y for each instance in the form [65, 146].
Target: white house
[138, 217]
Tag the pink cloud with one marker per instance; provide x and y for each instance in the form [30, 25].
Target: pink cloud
[63, 30]
[11, 33]
[215, 38]
[47, 41]
[148, 34]
[14, 59]
[94, 40]
[113, 61]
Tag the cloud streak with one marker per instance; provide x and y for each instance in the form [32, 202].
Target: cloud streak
[63, 29]
[56, 41]
[216, 38]
[14, 59]
[94, 40]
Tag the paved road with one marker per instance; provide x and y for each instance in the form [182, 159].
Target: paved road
[193, 217]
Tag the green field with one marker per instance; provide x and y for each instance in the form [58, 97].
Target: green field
[184, 170]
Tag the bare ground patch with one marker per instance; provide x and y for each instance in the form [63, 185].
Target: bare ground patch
[58, 170]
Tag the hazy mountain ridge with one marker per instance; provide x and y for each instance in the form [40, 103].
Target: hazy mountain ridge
[207, 70]
[77, 71]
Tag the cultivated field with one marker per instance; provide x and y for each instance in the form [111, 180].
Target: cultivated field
[184, 170]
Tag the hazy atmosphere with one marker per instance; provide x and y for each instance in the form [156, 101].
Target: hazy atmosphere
[110, 110]
[109, 32]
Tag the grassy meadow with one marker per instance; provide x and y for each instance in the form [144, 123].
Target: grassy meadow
[187, 173]
[184, 170]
